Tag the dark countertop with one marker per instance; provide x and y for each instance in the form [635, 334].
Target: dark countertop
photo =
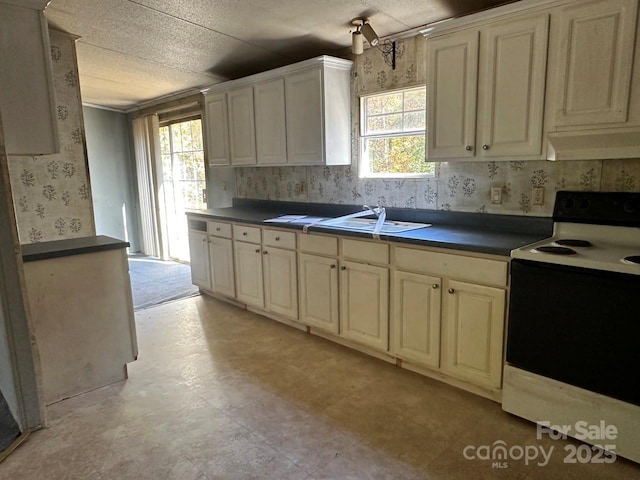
[472, 232]
[72, 246]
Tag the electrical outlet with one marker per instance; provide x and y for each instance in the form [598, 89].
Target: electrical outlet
[538, 196]
[496, 195]
[223, 185]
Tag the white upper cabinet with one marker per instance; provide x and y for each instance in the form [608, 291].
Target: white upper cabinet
[27, 99]
[593, 76]
[305, 123]
[271, 129]
[242, 133]
[511, 86]
[217, 129]
[501, 68]
[595, 62]
[294, 115]
[451, 95]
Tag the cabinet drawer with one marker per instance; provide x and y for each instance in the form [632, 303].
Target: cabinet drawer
[477, 270]
[278, 238]
[246, 233]
[220, 229]
[369, 252]
[319, 244]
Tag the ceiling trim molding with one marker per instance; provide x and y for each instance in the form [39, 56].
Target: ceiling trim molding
[166, 103]
[102, 107]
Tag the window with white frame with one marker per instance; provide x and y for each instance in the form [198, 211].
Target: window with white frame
[392, 130]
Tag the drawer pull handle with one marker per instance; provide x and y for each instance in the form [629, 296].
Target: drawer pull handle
[333, 266]
[277, 239]
[265, 252]
[485, 147]
[217, 229]
[435, 286]
[244, 234]
[343, 268]
[468, 148]
[451, 290]
[257, 250]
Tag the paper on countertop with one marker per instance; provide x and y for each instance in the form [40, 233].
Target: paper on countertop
[285, 218]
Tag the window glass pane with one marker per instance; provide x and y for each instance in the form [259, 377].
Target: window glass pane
[198, 158]
[384, 124]
[176, 137]
[196, 134]
[165, 146]
[415, 99]
[386, 103]
[414, 121]
[404, 154]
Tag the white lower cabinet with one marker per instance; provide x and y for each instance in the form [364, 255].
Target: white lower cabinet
[222, 270]
[319, 292]
[473, 326]
[280, 282]
[199, 252]
[415, 318]
[364, 304]
[441, 318]
[248, 272]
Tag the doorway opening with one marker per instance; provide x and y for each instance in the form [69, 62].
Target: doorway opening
[183, 181]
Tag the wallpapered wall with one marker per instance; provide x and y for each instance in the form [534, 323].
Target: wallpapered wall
[52, 192]
[459, 186]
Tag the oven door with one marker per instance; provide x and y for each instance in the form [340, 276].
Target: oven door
[577, 326]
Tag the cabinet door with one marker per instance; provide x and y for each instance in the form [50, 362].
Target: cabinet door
[473, 333]
[364, 304]
[221, 259]
[271, 130]
[451, 95]
[199, 252]
[217, 129]
[415, 320]
[305, 125]
[248, 263]
[513, 60]
[319, 292]
[281, 282]
[594, 66]
[242, 133]
[27, 98]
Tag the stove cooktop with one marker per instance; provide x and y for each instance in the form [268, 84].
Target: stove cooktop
[610, 248]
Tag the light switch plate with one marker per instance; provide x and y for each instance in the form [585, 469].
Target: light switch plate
[496, 195]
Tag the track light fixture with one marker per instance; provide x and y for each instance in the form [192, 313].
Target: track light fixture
[364, 29]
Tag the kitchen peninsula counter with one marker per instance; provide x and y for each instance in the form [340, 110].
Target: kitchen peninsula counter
[81, 307]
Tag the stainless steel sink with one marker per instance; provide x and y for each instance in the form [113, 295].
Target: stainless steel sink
[368, 225]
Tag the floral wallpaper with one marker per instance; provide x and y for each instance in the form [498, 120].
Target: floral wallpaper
[52, 192]
[456, 186]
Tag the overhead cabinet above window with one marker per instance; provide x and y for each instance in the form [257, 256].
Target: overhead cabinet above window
[486, 90]
[294, 115]
[536, 79]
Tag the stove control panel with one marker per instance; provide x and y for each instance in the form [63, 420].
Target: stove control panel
[599, 208]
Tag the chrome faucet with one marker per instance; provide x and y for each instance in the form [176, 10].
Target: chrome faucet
[377, 210]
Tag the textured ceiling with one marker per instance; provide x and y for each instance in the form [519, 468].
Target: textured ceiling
[132, 51]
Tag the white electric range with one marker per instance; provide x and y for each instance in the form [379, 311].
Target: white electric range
[573, 345]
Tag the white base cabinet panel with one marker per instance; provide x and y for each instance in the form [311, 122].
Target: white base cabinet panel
[200, 266]
[280, 282]
[319, 292]
[473, 333]
[222, 271]
[248, 270]
[364, 304]
[415, 319]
